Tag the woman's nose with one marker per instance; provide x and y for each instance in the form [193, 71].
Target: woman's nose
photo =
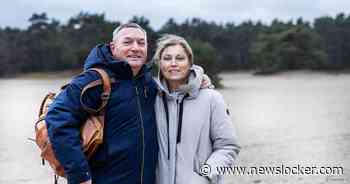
[173, 62]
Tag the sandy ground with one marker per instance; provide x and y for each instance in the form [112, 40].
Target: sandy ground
[291, 118]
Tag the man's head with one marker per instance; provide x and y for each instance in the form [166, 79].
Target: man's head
[129, 44]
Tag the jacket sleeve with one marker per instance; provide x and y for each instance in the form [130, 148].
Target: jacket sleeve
[63, 120]
[223, 136]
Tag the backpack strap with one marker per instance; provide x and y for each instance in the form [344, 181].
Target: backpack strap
[106, 82]
[42, 105]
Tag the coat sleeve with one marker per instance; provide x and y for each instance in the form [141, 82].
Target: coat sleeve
[223, 136]
[63, 120]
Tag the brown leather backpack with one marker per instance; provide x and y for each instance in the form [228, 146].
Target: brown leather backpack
[91, 130]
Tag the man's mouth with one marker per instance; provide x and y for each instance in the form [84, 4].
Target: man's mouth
[135, 56]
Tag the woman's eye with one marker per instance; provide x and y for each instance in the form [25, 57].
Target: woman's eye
[180, 58]
[167, 58]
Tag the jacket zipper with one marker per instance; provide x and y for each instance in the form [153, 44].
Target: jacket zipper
[142, 133]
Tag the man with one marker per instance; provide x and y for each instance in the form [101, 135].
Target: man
[129, 151]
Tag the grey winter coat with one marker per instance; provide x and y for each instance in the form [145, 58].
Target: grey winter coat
[205, 135]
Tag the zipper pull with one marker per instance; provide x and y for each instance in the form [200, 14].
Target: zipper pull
[137, 91]
[145, 91]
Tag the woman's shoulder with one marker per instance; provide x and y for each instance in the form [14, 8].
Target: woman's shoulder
[212, 94]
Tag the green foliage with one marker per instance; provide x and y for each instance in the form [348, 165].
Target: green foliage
[48, 45]
[335, 35]
[205, 56]
[295, 48]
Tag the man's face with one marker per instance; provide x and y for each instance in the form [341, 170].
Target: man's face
[130, 46]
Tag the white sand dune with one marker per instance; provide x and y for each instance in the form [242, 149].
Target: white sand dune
[291, 118]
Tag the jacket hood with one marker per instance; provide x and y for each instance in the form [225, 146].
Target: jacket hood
[192, 86]
[99, 56]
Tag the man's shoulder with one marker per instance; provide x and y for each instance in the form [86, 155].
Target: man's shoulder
[149, 79]
[84, 78]
[153, 83]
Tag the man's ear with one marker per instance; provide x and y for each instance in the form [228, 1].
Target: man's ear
[111, 45]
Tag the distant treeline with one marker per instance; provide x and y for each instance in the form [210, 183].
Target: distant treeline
[48, 45]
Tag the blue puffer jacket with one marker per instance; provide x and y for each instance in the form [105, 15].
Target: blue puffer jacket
[129, 152]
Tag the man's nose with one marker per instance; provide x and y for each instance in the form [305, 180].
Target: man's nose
[135, 46]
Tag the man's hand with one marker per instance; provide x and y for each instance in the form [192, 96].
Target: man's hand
[86, 182]
[206, 82]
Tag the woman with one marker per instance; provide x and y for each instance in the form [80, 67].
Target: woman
[194, 126]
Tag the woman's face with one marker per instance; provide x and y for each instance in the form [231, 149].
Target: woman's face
[175, 64]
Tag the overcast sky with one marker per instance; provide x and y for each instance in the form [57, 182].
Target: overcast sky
[15, 13]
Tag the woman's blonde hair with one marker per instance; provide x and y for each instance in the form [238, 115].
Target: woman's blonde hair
[170, 40]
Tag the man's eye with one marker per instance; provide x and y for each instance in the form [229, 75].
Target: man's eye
[127, 42]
